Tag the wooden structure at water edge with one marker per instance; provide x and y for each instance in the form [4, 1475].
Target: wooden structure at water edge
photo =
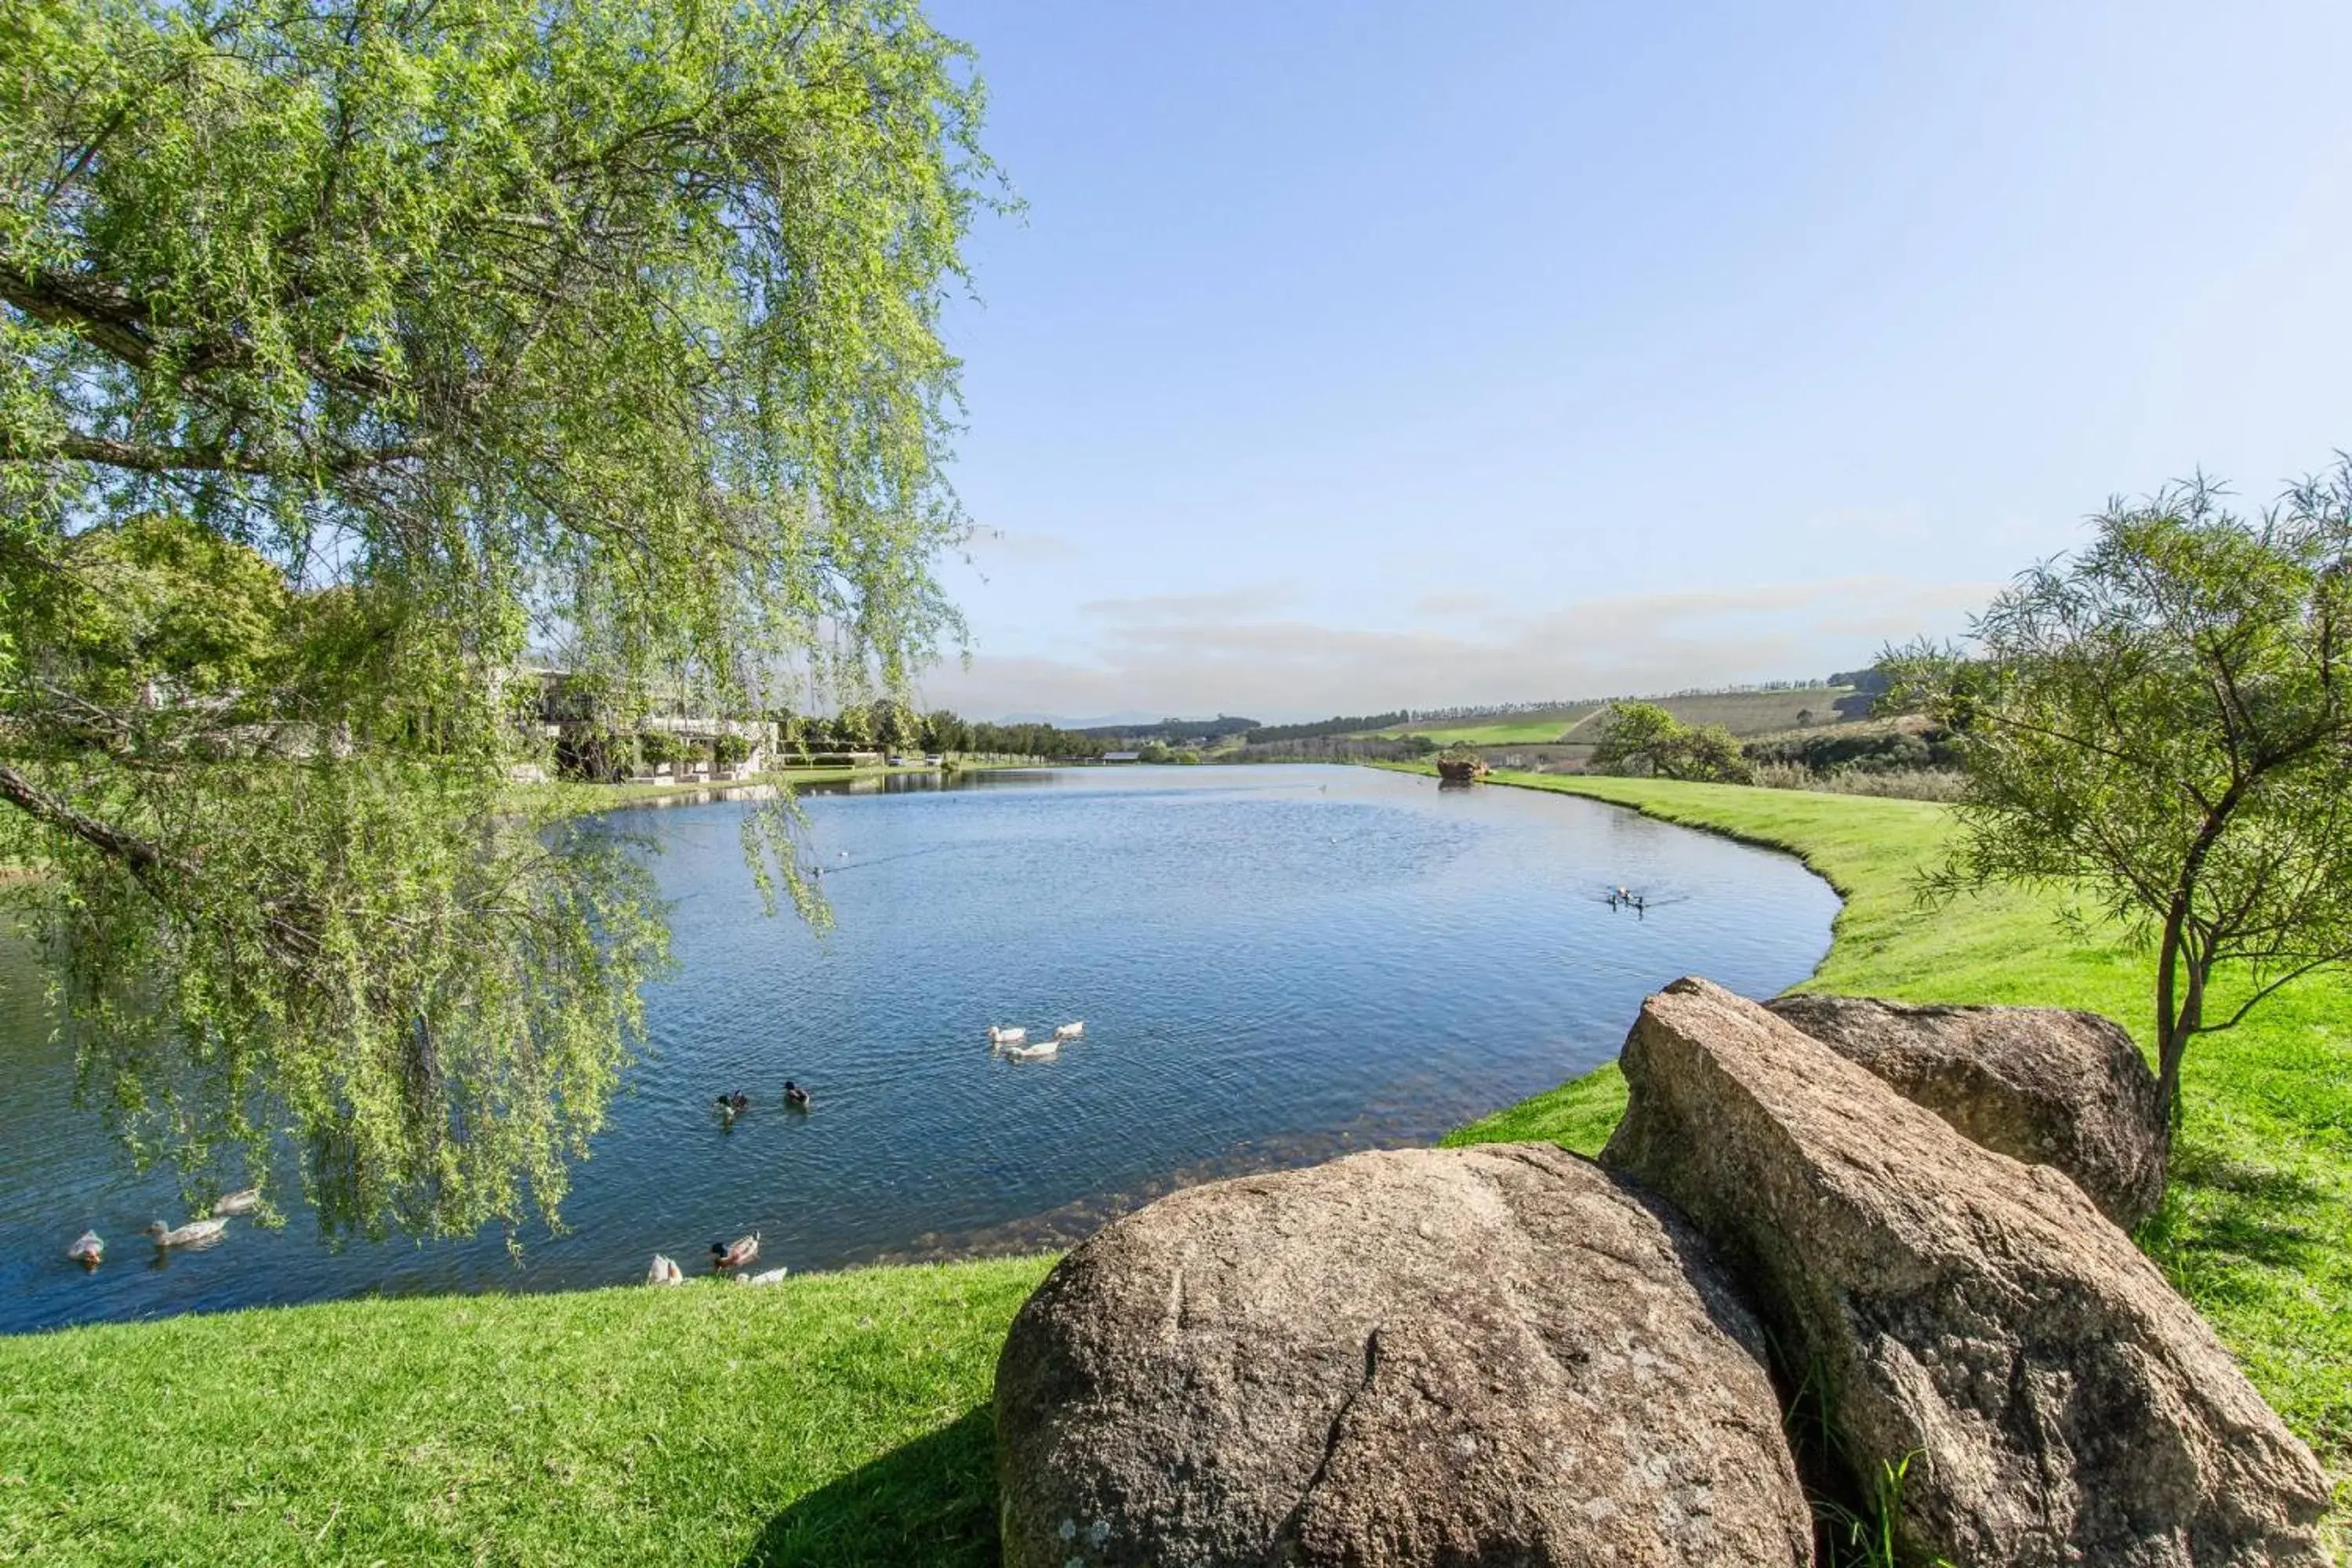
[1461, 767]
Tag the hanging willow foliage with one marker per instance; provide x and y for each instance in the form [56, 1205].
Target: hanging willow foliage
[346, 353]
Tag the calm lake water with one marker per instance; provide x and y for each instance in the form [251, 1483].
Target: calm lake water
[1274, 964]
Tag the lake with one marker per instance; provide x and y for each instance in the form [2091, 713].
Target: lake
[1275, 966]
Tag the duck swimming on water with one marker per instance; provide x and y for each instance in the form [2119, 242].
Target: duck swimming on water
[87, 1249]
[195, 1232]
[245, 1200]
[796, 1097]
[736, 1253]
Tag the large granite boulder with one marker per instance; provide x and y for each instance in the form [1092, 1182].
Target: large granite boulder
[2043, 1085]
[1498, 1355]
[1951, 1303]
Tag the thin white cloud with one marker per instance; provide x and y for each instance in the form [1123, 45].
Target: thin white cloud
[1238, 652]
[1227, 606]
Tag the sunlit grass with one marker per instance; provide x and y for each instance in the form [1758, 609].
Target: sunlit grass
[838, 1418]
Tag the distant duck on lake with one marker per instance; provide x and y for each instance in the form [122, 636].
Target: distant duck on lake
[1071, 1031]
[1002, 1037]
[796, 1097]
[87, 1249]
[245, 1200]
[1037, 1053]
[736, 1253]
[732, 1106]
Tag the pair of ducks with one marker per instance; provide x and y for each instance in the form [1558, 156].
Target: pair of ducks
[732, 1106]
[1014, 1042]
[723, 1255]
[89, 1250]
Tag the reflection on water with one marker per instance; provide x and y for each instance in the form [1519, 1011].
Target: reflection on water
[1275, 966]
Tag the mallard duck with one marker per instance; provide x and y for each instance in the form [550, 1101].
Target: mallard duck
[195, 1232]
[796, 1096]
[245, 1200]
[736, 1253]
[1071, 1031]
[665, 1271]
[772, 1277]
[87, 1249]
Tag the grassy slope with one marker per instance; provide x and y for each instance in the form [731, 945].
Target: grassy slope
[836, 1419]
[2258, 1228]
[1534, 730]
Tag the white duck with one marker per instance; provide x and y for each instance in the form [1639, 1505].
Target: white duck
[1071, 1031]
[772, 1276]
[195, 1232]
[245, 1200]
[87, 1249]
[1001, 1038]
[665, 1271]
[1037, 1053]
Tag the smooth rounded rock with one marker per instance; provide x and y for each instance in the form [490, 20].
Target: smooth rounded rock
[1495, 1355]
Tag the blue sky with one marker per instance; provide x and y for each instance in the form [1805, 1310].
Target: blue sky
[1351, 356]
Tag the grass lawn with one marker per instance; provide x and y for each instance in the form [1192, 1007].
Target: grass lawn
[2257, 1229]
[837, 1418]
[843, 1418]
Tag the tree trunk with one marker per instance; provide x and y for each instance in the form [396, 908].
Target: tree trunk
[2172, 1044]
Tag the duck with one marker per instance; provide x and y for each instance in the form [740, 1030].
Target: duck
[772, 1277]
[665, 1271]
[87, 1249]
[195, 1232]
[1003, 1038]
[796, 1096]
[245, 1200]
[732, 1106]
[736, 1253]
[1037, 1053]
[1071, 1031]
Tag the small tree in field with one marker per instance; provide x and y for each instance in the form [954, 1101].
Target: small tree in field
[2164, 721]
[1643, 738]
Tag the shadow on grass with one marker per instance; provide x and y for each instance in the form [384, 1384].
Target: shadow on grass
[2234, 1209]
[932, 1501]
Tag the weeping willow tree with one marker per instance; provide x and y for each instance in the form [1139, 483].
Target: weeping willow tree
[347, 352]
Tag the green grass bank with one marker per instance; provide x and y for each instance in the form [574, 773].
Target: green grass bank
[839, 1418]
[843, 1418]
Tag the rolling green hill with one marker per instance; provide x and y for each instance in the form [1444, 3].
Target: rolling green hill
[1743, 713]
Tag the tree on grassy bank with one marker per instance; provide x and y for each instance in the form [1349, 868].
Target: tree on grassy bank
[345, 352]
[1643, 738]
[2165, 719]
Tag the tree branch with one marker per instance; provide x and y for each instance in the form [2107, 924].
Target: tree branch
[143, 858]
[212, 459]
